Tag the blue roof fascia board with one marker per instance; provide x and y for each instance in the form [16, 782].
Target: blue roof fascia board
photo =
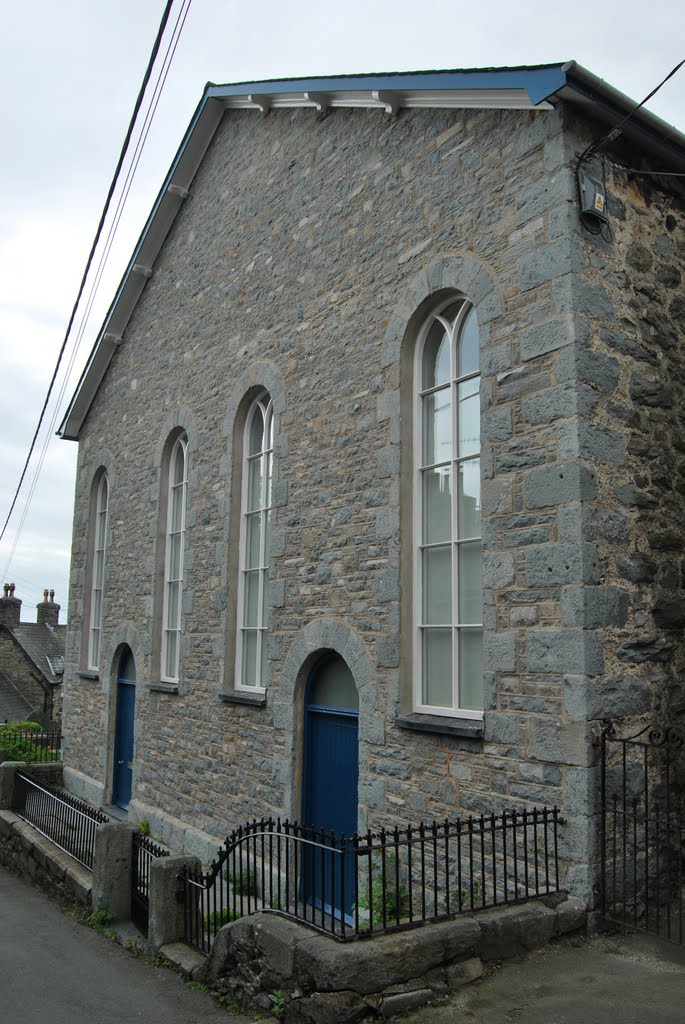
[539, 83]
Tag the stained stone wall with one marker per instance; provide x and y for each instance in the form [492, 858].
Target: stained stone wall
[303, 261]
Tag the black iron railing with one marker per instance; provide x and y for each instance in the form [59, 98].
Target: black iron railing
[32, 745]
[643, 830]
[143, 852]
[67, 822]
[378, 882]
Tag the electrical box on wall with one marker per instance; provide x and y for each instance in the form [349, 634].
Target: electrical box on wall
[593, 200]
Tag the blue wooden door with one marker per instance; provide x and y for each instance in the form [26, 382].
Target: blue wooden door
[123, 730]
[331, 769]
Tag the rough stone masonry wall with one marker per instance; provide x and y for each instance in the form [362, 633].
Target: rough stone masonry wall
[297, 263]
[624, 379]
[639, 429]
[319, 980]
[20, 671]
[27, 853]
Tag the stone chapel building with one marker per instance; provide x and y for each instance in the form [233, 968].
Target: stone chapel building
[379, 505]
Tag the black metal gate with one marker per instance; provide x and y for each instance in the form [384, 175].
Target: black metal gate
[643, 829]
[144, 851]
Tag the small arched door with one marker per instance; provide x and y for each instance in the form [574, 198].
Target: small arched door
[123, 730]
[331, 770]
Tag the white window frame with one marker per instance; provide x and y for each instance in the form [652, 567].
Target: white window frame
[169, 628]
[262, 406]
[457, 628]
[98, 574]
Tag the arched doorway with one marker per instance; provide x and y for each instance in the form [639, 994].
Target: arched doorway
[122, 777]
[331, 770]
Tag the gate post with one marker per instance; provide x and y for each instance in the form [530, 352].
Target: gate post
[112, 868]
[166, 922]
[7, 772]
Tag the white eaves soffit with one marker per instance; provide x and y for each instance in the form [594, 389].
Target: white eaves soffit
[176, 189]
[388, 100]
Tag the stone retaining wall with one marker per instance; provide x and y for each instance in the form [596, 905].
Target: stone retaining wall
[319, 980]
[322, 981]
[25, 852]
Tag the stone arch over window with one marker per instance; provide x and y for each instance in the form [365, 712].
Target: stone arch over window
[97, 534]
[253, 437]
[174, 520]
[455, 298]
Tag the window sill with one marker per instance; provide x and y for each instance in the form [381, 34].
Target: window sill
[163, 687]
[238, 697]
[88, 674]
[464, 728]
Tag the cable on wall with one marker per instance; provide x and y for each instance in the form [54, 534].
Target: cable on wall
[591, 191]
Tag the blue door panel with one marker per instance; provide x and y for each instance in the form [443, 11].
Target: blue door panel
[332, 751]
[330, 805]
[123, 738]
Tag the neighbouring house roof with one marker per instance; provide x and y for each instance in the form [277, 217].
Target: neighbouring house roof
[14, 707]
[43, 645]
[538, 87]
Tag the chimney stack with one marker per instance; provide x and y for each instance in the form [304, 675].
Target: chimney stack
[47, 612]
[10, 607]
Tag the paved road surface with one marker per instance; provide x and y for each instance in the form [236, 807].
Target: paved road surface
[54, 969]
[618, 980]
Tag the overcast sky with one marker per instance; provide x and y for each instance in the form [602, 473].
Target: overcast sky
[70, 71]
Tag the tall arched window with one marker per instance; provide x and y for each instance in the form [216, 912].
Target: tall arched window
[448, 602]
[173, 565]
[98, 570]
[254, 544]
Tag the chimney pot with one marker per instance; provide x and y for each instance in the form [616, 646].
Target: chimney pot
[47, 612]
[10, 607]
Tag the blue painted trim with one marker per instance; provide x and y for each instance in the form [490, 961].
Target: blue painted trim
[539, 83]
[322, 709]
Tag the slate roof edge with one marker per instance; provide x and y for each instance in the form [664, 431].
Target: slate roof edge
[45, 680]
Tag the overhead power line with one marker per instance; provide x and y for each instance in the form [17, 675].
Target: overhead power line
[612, 135]
[115, 178]
[130, 175]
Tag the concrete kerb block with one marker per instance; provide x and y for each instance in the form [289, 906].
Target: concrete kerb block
[515, 931]
[112, 858]
[571, 915]
[7, 772]
[167, 911]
